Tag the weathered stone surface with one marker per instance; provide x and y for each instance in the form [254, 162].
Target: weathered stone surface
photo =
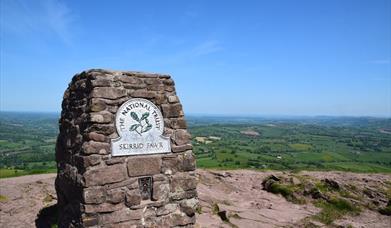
[160, 191]
[183, 182]
[141, 166]
[169, 82]
[134, 86]
[169, 89]
[155, 88]
[125, 214]
[105, 175]
[189, 206]
[188, 211]
[173, 99]
[130, 183]
[94, 195]
[181, 137]
[159, 99]
[180, 219]
[92, 147]
[183, 195]
[150, 212]
[168, 131]
[176, 219]
[101, 83]
[160, 177]
[105, 129]
[87, 161]
[93, 136]
[188, 162]
[152, 81]
[108, 92]
[102, 117]
[112, 109]
[115, 160]
[181, 148]
[130, 80]
[114, 102]
[176, 123]
[148, 203]
[92, 160]
[97, 105]
[89, 221]
[143, 94]
[140, 74]
[133, 198]
[126, 224]
[172, 110]
[170, 165]
[166, 209]
[179, 162]
[104, 207]
[116, 195]
[99, 74]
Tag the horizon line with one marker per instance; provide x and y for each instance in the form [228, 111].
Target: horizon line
[237, 115]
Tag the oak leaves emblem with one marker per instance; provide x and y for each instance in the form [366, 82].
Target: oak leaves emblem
[142, 124]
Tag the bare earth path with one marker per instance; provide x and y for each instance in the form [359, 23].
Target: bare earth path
[239, 193]
[23, 198]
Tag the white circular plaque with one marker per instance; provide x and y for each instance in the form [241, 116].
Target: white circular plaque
[140, 126]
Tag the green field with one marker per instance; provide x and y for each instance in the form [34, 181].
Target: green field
[346, 145]
[11, 172]
[27, 143]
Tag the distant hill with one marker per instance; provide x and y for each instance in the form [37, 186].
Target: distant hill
[360, 144]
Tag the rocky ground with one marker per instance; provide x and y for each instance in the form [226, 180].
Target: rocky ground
[23, 197]
[242, 198]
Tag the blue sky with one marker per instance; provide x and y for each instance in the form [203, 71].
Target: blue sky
[242, 57]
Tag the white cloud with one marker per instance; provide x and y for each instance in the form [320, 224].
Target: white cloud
[59, 18]
[189, 53]
[37, 18]
[207, 47]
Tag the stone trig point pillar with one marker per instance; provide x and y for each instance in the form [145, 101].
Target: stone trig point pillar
[124, 156]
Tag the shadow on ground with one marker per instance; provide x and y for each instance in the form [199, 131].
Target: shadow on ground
[47, 217]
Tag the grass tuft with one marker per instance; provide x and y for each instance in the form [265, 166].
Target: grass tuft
[288, 192]
[334, 209]
[48, 198]
[385, 210]
[199, 209]
[215, 208]
[3, 198]
[284, 190]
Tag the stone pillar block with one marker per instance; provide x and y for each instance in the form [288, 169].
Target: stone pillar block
[123, 153]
